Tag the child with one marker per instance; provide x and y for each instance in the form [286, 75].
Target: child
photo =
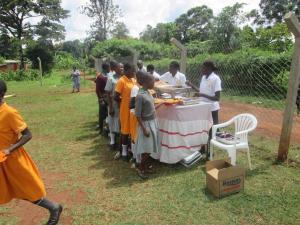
[122, 95]
[75, 75]
[100, 81]
[147, 139]
[133, 120]
[151, 70]
[113, 107]
[19, 176]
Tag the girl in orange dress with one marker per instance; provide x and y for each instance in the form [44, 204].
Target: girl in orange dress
[122, 95]
[19, 176]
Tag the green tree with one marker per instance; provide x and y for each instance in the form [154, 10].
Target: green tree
[8, 46]
[42, 51]
[75, 47]
[105, 14]
[47, 30]
[147, 34]
[274, 10]
[163, 32]
[225, 33]
[195, 24]
[248, 37]
[276, 38]
[15, 17]
[120, 31]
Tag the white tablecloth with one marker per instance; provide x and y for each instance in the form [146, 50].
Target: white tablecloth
[183, 130]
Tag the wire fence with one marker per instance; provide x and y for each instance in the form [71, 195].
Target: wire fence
[252, 82]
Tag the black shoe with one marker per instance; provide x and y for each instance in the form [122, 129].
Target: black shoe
[54, 216]
[142, 174]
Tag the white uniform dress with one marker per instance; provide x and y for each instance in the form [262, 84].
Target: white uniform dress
[113, 121]
[210, 86]
[178, 79]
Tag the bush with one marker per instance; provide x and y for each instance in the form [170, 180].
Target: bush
[65, 60]
[20, 75]
[115, 48]
[1, 60]
[247, 72]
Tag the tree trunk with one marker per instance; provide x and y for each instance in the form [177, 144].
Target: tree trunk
[21, 53]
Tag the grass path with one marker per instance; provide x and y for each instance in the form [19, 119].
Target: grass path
[79, 172]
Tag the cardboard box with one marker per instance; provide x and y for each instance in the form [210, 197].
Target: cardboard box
[223, 179]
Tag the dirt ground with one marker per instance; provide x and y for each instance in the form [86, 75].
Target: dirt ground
[29, 214]
[269, 120]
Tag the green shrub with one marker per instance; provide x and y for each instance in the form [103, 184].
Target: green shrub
[114, 48]
[247, 72]
[1, 60]
[20, 75]
[65, 60]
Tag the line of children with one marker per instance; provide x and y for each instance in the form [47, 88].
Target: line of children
[132, 113]
[19, 176]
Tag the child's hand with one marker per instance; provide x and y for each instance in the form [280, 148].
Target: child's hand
[146, 132]
[111, 111]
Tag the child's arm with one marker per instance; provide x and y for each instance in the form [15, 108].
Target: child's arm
[132, 103]
[26, 136]
[138, 114]
[117, 97]
[145, 130]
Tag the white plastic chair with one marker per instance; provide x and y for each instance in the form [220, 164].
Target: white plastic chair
[243, 123]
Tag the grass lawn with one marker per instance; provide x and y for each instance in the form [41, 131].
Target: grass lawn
[66, 142]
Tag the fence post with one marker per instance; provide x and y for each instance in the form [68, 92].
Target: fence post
[41, 70]
[183, 52]
[294, 26]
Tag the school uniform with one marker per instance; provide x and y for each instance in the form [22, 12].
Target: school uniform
[76, 79]
[133, 120]
[178, 79]
[113, 121]
[156, 75]
[19, 176]
[209, 86]
[100, 81]
[144, 109]
[123, 87]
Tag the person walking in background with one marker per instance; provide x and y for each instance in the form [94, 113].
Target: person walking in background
[19, 176]
[100, 81]
[147, 139]
[113, 106]
[122, 96]
[151, 70]
[75, 75]
[140, 66]
[173, 76]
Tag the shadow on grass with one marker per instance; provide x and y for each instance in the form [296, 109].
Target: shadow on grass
[119, 172]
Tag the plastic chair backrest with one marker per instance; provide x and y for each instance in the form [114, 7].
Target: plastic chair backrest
[244, 122]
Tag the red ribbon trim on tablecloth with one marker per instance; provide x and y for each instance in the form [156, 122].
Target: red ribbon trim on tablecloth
[176, 147]
[183, 135]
